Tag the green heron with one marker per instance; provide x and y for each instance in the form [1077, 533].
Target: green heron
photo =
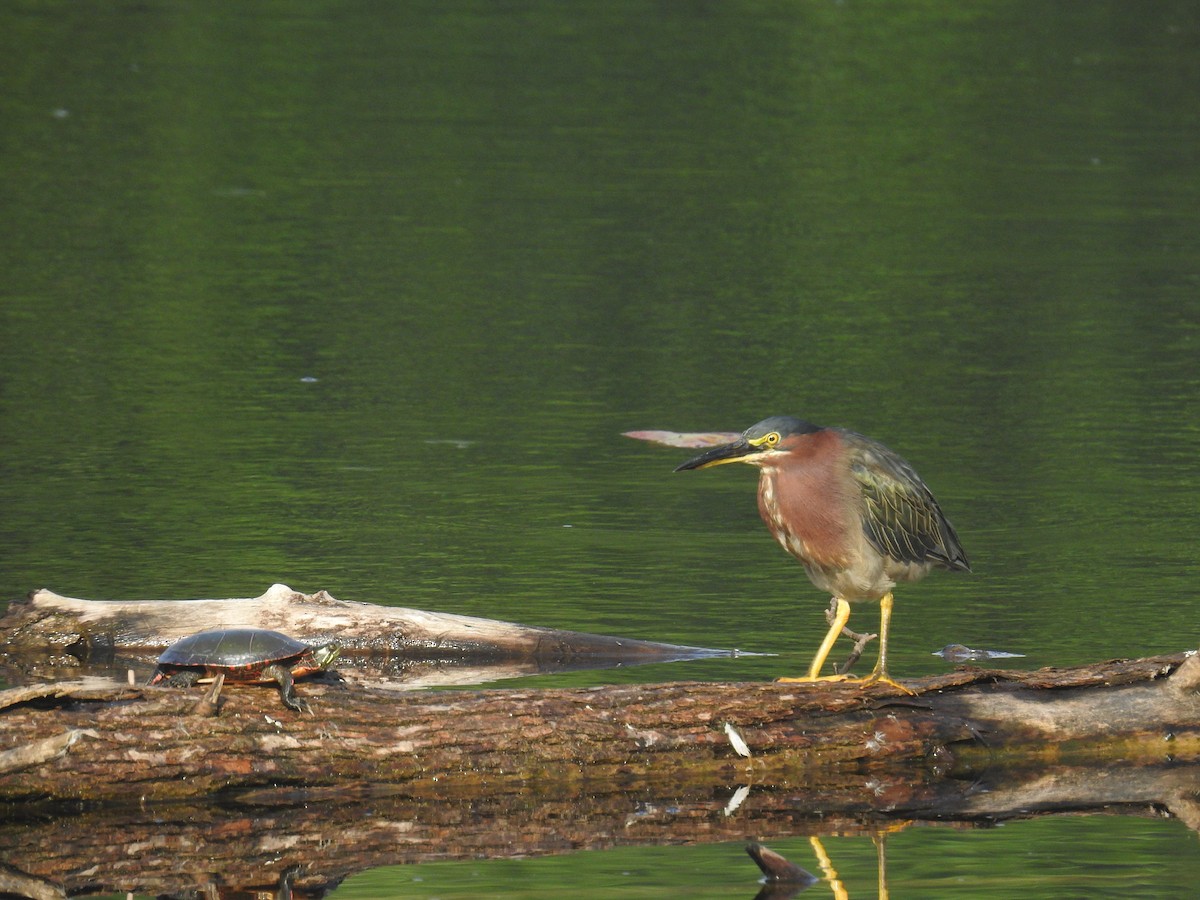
[857, 516]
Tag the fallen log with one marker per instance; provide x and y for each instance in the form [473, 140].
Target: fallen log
[144, 743]
[47, 623]
[562, 769]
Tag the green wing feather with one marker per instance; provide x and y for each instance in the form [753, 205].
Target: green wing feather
[901, 517]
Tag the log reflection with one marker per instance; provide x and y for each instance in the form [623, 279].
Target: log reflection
[317, 838]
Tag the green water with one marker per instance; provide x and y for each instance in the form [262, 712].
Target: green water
[359, 297]
[1049, 858]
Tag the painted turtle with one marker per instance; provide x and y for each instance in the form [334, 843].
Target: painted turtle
[246, 656]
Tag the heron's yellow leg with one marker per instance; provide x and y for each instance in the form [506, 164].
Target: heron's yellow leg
[827, 869]
[885, 624]
[880, 673]
[841, 617]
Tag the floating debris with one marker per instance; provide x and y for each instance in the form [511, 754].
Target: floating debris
[962, 653]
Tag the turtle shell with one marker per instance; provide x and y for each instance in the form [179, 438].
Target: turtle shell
[241, 653]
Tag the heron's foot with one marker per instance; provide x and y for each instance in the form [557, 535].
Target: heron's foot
[867, 681]
[813, 679]
[878, 677]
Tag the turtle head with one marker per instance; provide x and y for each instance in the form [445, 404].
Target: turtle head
[326, 654]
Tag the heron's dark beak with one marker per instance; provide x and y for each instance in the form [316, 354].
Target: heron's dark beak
[736, 451]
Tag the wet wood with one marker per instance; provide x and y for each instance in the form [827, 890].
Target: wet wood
[47, 623]
[145, 743]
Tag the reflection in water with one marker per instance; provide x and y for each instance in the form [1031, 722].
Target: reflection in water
[879, 839]
[167, 849]
[782, 878]
[827, 869]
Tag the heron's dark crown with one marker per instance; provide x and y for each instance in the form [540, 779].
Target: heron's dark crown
[783, 425]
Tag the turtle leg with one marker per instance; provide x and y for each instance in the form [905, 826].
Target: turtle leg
[287, 691]
[184, 678]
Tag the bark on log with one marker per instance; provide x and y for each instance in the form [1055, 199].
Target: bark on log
[46, 622]
[146, 745]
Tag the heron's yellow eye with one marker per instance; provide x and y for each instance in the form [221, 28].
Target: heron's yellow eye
[771, 439]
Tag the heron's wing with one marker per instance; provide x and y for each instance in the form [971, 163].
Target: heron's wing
[901, 518]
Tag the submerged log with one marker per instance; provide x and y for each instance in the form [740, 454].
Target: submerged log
[146, 744]
[45, 622]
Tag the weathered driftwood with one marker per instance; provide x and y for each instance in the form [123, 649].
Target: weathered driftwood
[146, 743]
[45, 622]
